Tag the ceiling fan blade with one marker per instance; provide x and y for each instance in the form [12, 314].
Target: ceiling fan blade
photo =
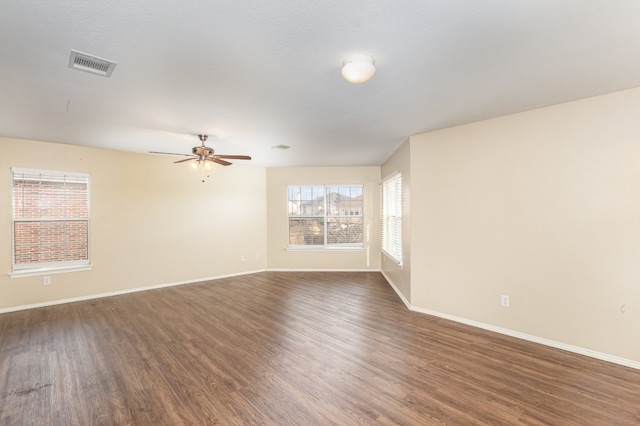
[233, 157]
[169, 153]
[204, 154]
[186, 159]
[219, 161]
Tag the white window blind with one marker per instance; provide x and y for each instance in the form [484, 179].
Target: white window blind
[50, 219]
[391, 214]
[328, 216]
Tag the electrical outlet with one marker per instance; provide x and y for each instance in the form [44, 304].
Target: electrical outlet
[242, 257]
[257, 256]
[504, 300]
[46, 280]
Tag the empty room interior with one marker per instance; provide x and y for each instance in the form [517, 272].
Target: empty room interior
[314, 213]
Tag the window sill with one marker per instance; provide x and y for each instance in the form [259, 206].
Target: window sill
[323, 248]
[392, 258]
[48, 271]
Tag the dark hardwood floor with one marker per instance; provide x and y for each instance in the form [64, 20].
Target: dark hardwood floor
[283, 348]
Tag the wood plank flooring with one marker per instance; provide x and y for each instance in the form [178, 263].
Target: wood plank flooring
[285, 348]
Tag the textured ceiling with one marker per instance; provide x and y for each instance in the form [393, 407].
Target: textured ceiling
[254, 74]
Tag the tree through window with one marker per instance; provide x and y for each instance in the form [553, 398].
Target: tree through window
[325, 216]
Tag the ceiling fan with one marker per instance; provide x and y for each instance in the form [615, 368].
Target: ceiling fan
[204, 155]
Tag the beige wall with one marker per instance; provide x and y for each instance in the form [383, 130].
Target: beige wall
[152, 222]
[280, 258]
[400, 275]
[543, 206]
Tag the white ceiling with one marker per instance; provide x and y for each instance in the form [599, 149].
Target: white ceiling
[256, 73]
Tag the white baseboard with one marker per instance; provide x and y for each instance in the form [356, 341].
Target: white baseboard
[120, 292]
[489, 327]
[516, 334]
[319, 270]
[397, 290]
[153, 287]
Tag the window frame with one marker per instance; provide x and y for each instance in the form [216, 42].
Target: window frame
[326, 218]
[48, 267]
[391, 210]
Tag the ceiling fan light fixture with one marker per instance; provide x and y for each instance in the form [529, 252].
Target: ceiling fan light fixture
[204, 155]
[358, 68]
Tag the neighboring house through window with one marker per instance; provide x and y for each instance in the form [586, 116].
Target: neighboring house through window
[391, 214]
[50, 220]
[325, 216]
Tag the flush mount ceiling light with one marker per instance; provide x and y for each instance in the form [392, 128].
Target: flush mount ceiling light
[358, 68]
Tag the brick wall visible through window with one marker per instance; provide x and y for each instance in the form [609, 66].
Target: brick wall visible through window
[50, 219]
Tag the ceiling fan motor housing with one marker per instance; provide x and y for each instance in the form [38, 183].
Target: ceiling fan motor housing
[205, 154]
[202, 150]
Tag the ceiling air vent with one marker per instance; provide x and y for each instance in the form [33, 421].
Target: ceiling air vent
[94, 65]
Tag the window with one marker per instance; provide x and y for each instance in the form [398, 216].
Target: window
[325, 216]
[50, 220]
[391, 214]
